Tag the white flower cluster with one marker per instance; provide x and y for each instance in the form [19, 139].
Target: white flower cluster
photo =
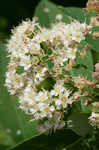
[37, 58]
[94, 119]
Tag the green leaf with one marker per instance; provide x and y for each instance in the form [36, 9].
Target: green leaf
[45, 48]
[93, 43]
[50, 64]
[12, 119]
[5, 139]
[87, 61]
[76, 13]
[95, 29]
[47, 84]
[70, 85]
[79, 123]
[89, 16]
[96, 91]
[46, 12]
[81, 45]
[88, 89]
[81, 106]
[64, 72]
[95, 57]
[54, 141]
[82, 71]
[84, 65]
[44, 59]
[79, 14]
[20, 70]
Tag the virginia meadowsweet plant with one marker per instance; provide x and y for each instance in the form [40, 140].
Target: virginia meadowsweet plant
[53, 69]
[40, 70]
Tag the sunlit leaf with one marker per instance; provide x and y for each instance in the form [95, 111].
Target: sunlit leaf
[93, 43]
[87, 61]
[84, 65]
[47, 11]
[76, 13]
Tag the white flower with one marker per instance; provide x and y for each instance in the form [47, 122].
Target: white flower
[52, 108]
[63, 100]
[59, 17]
[34, 47]
[25, 62]
[40, 74]
[58, 89]
[94, 119]
[42, 96]
[14, 82]
[71, 53]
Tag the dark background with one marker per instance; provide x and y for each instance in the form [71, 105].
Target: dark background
[13, 11]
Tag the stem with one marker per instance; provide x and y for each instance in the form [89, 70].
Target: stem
[74, 143]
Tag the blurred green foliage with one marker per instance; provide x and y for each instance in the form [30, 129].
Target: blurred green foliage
[13, 11]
